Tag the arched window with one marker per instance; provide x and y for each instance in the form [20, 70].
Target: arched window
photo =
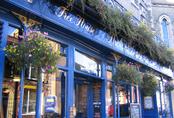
[164, 30]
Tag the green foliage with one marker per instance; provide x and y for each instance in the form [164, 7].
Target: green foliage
[33, 50]
[169, 86]
[140, 37]
[127, 73]
[149, 84]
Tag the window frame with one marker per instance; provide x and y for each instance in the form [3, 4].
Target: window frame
[136, 5]
[99, 64]
[28, 103]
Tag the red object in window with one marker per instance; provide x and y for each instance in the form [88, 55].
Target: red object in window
[111, 110]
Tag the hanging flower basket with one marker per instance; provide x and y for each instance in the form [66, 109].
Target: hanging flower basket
[34, 50]
[127, 73]
[149, 84]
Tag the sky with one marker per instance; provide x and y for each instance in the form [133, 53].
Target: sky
[171, 1]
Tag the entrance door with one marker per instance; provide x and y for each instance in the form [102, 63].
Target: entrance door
[87, 99]
[81, 99]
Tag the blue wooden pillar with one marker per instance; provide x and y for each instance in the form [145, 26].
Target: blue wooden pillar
[140, 100]
[116, 91]
[21, 93]
[118, 103]
[39, 94]
[114, 99]
[103, 90]
[170, 103]
[3, 44]
[70, 82]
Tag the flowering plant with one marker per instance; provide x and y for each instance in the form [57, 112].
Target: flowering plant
[33, 50]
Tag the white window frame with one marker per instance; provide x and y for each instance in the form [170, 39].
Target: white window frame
[168, 28]
[136, 5]
[28, 99]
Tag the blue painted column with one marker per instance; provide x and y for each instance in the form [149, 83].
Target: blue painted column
[171, 107]
[70, 82]
[21, 93]
[140, 100]
[39, 94]
[2, 61]
[103, 90]
[116, 90]
[118, 103]
[114, 96]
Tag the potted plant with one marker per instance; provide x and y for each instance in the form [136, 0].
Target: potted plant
[127, 73]
[33, 50]
[149, 84]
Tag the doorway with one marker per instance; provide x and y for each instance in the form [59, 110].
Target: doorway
[87, 98]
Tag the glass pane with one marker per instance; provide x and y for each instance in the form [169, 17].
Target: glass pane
[62, 61]
[13, 34]
[109, 100]
[63, 56]
[11, 78]
[109, 72]
[165, 30]
[24, 110]
[124, 99]
[87, 64]
[134, 94]
[32, 101]
[81, 92]
[55, 85]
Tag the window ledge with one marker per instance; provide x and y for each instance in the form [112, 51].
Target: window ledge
[27, 114]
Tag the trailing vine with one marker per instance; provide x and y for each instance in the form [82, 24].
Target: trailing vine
[119, 25]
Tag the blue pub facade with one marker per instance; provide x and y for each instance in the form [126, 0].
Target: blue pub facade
[83, 85]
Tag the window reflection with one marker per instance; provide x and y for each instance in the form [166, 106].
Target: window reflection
[109, 72]
[109, 100]
[29, 101]
[62, 61]
[87, 64]
[54, 85]
[13, 34]
[11, 78]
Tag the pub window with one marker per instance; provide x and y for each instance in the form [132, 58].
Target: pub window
[87, 64]
[11, 77]
[29, 101]
[124, 100]
[31, 72]
[55, 85]
[109, 72]
[110, 100]
[62, 61]
[10, 69]
[63, 55]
